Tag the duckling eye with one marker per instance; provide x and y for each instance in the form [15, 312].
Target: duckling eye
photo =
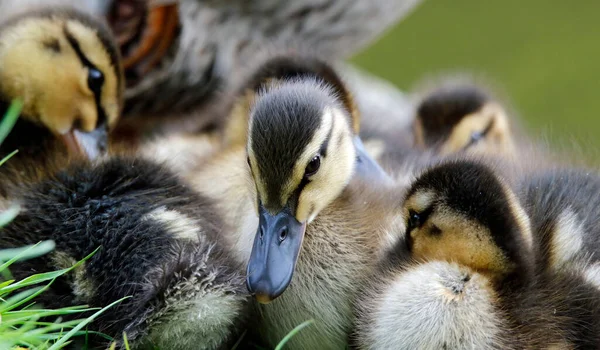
[476, 136]
[95, 80]
[414, 220]
[313, 166]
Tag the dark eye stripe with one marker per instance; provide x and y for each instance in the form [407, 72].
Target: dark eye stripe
[97, 92]
[481, 135]
[414, 222]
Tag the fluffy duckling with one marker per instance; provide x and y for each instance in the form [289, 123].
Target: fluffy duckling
[305, 200]
[469, 259]
[65, 67]
[454, 116]
[458, 116]
[160, 244]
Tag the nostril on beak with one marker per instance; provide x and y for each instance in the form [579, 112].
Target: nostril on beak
[283, 234]
[261, 232]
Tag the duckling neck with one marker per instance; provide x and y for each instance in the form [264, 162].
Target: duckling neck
[366, 167]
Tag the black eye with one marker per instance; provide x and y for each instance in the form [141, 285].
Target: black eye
[414, 220]
[313, 166]
[95, 80]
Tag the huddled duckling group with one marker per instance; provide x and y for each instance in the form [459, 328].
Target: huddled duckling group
[451, 232]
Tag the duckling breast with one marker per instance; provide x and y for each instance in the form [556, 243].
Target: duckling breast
[435, 305]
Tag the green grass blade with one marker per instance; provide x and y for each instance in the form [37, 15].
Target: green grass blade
[125, 341]
[10, 118]
[72, 332]
[293, 333]
[43, 277]
[25, 253]
[20, 298]
[13, 255]
[16, 317]
[9, 214]
[9, 156]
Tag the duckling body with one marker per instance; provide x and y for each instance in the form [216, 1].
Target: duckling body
[470, 256]
[160, 244]
[322, 202]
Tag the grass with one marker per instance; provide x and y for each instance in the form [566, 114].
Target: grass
[22, 321]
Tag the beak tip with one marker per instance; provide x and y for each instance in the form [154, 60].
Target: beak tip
[90, 145]
[263, 298]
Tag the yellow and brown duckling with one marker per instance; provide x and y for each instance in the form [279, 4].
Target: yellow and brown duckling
[453, 117]
[303, 149]
[65, 67]
[466, 274]
[458, 116]
[306, 202]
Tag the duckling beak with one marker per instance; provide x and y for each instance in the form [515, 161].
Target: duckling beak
[90, 145]
[274, 254]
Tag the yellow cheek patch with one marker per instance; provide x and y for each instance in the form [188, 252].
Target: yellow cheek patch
[335, 171]
[498, 138]
[461, 241]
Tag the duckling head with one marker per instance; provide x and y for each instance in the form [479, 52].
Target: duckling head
[462, 212]
[65, 68]
[462, 117]
[302, 152]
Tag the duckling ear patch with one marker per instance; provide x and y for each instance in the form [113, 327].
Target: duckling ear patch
[449, 236]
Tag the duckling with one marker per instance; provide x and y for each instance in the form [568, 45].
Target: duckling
[453, 117]
[460, 116]
[304, 200]
[65, 67]
[469, 257]
[160, 244]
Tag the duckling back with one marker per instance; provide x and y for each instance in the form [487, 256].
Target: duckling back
[564, 205]
[160, 244]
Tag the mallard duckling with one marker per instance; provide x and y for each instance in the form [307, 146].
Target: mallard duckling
[469, 258]
[160, 244]
[453, 117]
[65, 67]
[304, 199]
[457, 116]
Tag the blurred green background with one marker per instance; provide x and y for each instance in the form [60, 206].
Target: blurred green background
[544, 55]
